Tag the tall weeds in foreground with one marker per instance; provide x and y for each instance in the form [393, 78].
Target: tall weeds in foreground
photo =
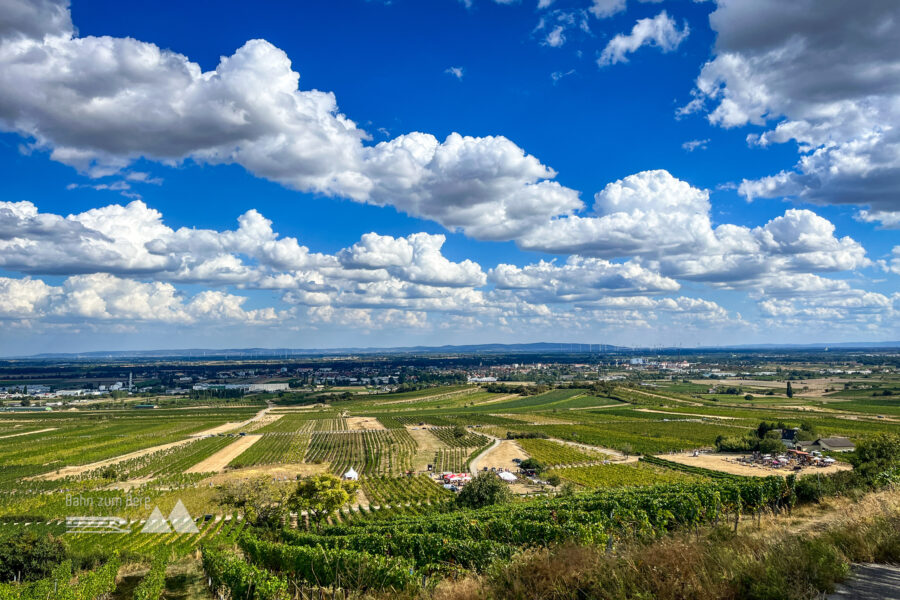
[775, 562]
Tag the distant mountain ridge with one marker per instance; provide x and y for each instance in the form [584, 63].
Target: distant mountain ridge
[531, 348]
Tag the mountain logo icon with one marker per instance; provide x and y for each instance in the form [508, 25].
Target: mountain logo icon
[179, 521]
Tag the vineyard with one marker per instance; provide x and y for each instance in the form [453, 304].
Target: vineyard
[369, 452]
[398, 553]
[274, 448]
[620, 476]
[552, 453]
[455, 438]
[391, 491]
[452, 460]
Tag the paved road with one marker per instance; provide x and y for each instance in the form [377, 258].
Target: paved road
[870, 582]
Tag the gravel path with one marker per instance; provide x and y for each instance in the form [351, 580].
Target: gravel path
[870, 582]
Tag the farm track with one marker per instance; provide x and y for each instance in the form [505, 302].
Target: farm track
[3, 437]
[665, 412]
[226, 427]
[614, 453]
[669, 398]
[218, 461]
[79, 469]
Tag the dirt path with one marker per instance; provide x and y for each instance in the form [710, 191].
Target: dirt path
[727, 463]
[218, 461]
[79, 469]
[3, 437]
[614, 453]
[500, 398]
[427, 446]
[500, 455]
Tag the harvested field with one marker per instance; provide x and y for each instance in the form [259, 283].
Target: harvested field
[364, 423]
[218, 461]
[427, 446]
[816, 387]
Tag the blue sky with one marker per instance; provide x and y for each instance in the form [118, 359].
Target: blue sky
[778, 226]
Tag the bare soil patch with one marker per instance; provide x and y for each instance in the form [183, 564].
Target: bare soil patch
[289, 471]
[499, 456]
[816, 387]
[727, 463]
[364, 423]
[218, 461]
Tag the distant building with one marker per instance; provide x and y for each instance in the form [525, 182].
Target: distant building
[269, 387]
[482, 379]
[832, 444]
[789, 437]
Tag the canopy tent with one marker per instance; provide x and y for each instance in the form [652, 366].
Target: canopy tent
[351, 474]
[506, 476]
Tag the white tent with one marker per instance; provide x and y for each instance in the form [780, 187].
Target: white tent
[351, 474]
[506, 476]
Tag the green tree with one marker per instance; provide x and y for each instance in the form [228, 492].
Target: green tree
[458, 431]
[554, 479]
[807, 431]
[771, 445]
[321, 496]
[28, 556]
[878, 453]
[261, 500]
[486, 489]
[25, 402]
[790, 390]
[532, 464]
